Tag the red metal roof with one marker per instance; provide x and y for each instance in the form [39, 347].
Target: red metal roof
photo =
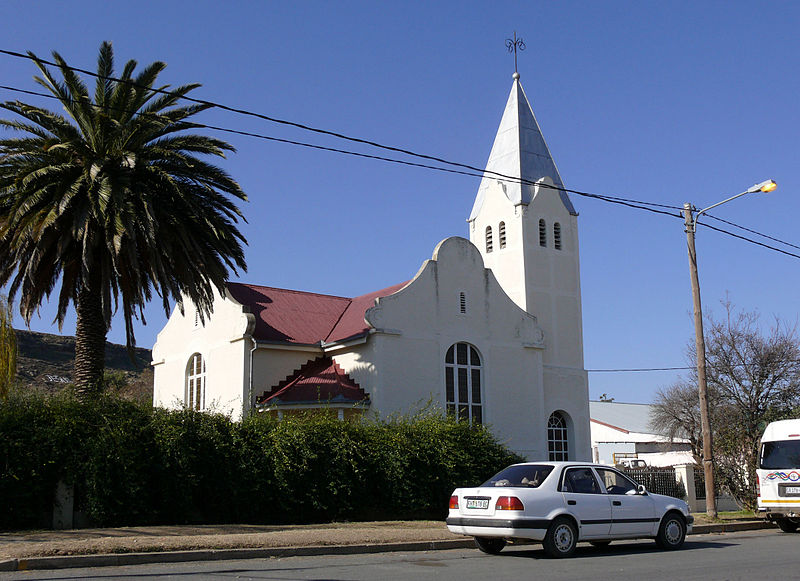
[297, 317]
[352, 322]
[320, 380]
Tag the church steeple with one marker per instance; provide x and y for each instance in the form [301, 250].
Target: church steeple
[519, 151]
[528, 233]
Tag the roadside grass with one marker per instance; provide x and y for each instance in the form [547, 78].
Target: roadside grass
[701, 518]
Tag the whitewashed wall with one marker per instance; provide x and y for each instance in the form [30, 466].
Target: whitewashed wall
[222, 341]
[416, 326]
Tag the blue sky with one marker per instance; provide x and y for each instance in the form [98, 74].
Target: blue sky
[666, 102]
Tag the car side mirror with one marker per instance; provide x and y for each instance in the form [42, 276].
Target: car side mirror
[641, 489]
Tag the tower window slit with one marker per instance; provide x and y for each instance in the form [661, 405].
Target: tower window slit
[557, 236]
[542, 233]
[502, 233]
[489, 239]
[462, 300]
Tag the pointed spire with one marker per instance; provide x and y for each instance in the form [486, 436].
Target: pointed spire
[519, 150]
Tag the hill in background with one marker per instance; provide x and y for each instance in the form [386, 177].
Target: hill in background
[45, 362]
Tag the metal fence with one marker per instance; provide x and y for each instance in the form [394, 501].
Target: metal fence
[658, 480]
[699, 483]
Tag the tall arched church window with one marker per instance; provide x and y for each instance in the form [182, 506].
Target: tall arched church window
[557, 236]
[501, 229]
[542, 233]
[557, 437]
[489, 239]
[196, 383]
[463, 382]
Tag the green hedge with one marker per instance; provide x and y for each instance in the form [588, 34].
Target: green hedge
[133, 465]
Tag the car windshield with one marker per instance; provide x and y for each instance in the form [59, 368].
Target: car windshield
[526, 475]
[782, 454]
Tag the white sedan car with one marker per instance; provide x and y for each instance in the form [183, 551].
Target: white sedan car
[562, 503]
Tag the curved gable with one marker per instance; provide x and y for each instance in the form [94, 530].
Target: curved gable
[431, 301]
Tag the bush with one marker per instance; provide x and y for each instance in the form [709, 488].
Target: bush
[29, 462]
[132, 465]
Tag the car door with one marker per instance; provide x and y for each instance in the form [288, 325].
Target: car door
[585, 498]
[632, 514]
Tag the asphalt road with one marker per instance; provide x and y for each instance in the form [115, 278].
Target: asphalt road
[765, 554]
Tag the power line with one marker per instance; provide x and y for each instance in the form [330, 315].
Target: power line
[473, 171]
[751, 241]
[638, 370]
[636, 204]
[481, 171]
[648, 369]
[754, 232]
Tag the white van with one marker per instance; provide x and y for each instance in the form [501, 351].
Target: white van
[779, 474]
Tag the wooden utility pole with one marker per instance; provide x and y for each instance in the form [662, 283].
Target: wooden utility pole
[708, 454]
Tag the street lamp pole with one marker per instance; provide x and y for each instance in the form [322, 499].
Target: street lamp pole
[690, 220]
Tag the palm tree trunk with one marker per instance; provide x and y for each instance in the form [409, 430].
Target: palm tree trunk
[90, 340]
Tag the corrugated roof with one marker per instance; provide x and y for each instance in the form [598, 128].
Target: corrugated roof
[634, 417]
[289, 316]
[303, 318]
[352, 323]
[320, 380]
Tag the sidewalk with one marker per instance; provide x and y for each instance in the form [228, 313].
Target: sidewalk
[137, 545]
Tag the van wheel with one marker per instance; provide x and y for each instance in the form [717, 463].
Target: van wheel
[490, 545]
[672, 531]
[786, 525]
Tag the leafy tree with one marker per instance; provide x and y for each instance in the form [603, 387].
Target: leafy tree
[753, 378]
[8, 348]
[114, 202]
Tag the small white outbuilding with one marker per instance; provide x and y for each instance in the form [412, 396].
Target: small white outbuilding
[489, 329]
[621, 433]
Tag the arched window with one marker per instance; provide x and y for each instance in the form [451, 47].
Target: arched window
[502, 233]
[463, 375]
[557, 236]
[542, 233]
[489, 239]
[196, 383]
[557, 437]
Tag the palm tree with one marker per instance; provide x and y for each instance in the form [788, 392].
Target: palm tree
[8, 348]
[113, 202]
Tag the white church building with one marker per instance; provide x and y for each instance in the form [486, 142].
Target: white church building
[489, 329]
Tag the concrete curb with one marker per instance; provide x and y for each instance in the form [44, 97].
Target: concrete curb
[732, 527]
[119, 559]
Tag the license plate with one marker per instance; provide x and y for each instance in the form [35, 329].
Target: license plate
[793, 490]
[481, 503]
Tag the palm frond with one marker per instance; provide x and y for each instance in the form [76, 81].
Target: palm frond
[113, 198]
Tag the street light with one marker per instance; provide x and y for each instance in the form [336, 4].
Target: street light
[691, 227]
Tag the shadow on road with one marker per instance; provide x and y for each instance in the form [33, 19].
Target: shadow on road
[535, 551]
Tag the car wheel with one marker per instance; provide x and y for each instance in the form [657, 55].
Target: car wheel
[672, 532]
[786, 525]
[490, 545]
[561, 538]
[600, 544]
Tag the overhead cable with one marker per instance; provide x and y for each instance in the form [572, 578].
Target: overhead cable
[637, 204]
[481, 171]
[472, 170]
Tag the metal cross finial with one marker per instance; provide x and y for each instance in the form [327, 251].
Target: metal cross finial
[512, 45]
